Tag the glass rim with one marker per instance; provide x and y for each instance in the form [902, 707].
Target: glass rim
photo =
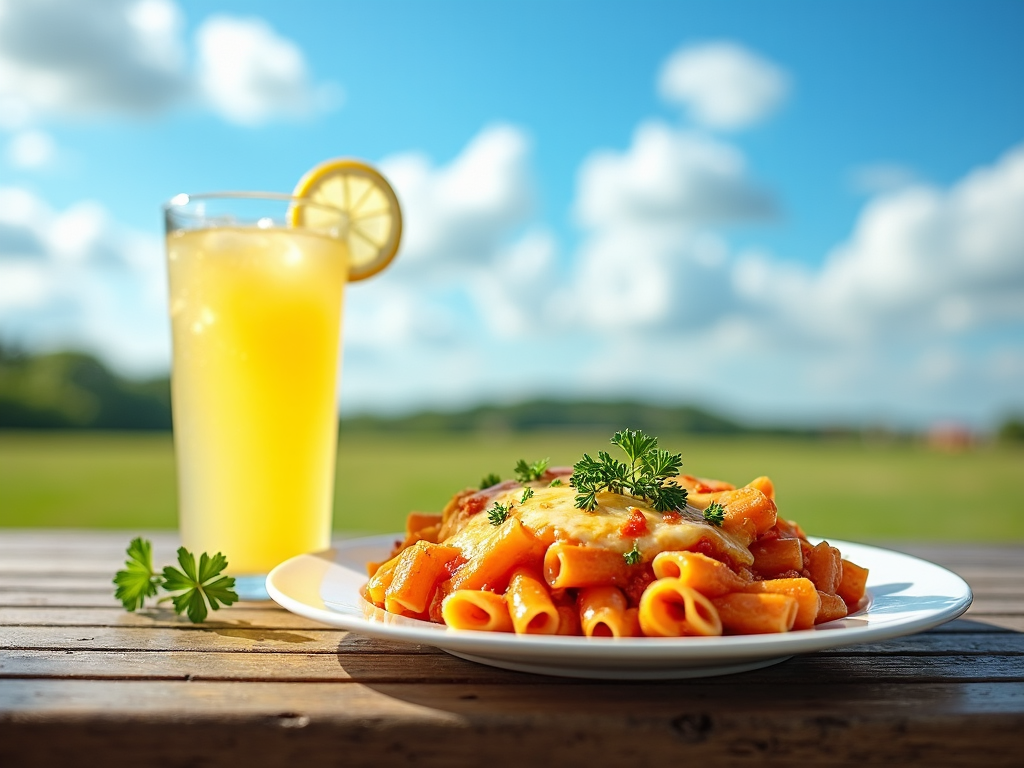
[182, 199]
[188, 212]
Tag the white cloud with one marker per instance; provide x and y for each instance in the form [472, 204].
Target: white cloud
[383, 316]
[74, 58]
[23, 285]
[461, 213]
[624, 279]
[76, 277]
[468, 266]
[511, 295]
[669, 177]
[723, 84]
[895, 325]
[250, 74]
[920, 261]
[31, 149]
[879, 178]
[650, 257]
[82, 57]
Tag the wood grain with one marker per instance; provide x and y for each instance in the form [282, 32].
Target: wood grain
[432, 667]
[83, 682]
[512, 724]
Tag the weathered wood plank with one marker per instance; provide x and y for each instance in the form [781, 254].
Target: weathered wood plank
[94, 599]
[996, 605]
[211, 636]
[58, 543]
[56, 582]
[48, 569]
[89, 610]
[243, 616]
[252, 615]
[386, 665]
[977, 623]
[433, 667]
[215, 635]
[530, 694]
[949, 555]
[989, 588]
[952, 696]
[564, 723]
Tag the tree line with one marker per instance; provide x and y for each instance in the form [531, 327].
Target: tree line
[74, 390]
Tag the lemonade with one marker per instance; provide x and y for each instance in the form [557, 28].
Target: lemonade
[256, 317]
[256, 282]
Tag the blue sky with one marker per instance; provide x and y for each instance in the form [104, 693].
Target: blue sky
[796, 211]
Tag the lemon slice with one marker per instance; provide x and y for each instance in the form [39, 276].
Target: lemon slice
[373, 227]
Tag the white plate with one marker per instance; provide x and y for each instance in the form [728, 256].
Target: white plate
[905, 595]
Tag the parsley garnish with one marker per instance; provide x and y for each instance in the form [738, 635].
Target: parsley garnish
[715, 514]
[489, 480]
[555, 483]
[138, 580]
[196, 586]
[633, 556]
[527, 494]
[498, 514]
[526, 473]
[645, 476]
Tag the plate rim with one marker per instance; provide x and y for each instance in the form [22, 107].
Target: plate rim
[637, 653]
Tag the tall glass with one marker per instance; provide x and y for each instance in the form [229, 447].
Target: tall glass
[256, 305]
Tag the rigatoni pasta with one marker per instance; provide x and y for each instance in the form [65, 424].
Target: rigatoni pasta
[530, 605]
[615, 550]
[476, 609]
[670, 608]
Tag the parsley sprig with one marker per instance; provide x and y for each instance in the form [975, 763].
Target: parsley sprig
[196, 586]
[633, 556]
[527, 473]
[498, 514]
[645, 476]
[715, 513]
[488, 480]
[138, 580]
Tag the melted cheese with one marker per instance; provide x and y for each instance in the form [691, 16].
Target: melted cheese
[551, 515]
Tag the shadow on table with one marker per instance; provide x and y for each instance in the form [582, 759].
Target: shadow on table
[929, 670]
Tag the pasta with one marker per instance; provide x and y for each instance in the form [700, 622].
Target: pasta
[476, 609]
[529, 604]
[525, 557]
[604, 612]
[669, 608]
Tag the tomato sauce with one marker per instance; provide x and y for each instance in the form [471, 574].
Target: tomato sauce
[475, 504]
[635, 526]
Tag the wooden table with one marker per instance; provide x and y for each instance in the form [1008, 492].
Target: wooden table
[83, 682]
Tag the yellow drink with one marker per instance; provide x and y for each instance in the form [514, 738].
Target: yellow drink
[256, 320]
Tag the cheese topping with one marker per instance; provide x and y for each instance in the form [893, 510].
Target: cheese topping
[551, 515]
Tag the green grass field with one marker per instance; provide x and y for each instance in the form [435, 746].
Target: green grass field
[843, 489]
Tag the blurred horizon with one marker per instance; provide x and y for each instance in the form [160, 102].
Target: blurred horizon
[801, 215]
[68, 392]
